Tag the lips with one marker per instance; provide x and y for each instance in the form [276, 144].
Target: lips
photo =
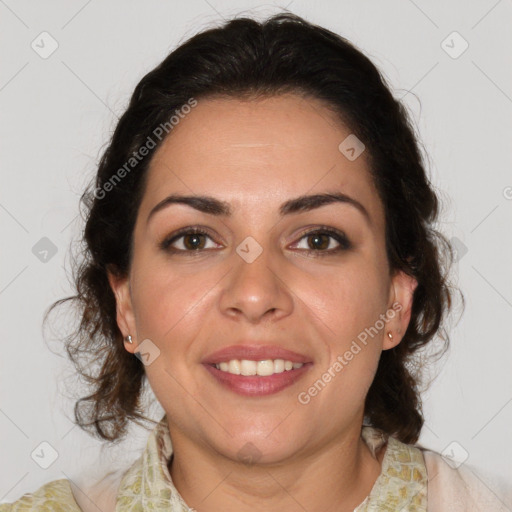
[256, 386]
[254, 353]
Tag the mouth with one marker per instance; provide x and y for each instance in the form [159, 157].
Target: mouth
[256, 370]
[257, 378]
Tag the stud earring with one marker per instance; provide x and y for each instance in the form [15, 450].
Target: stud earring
[390, 335]
[128, 339]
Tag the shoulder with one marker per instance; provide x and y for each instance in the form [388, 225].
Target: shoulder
[63, 495]
[464, 487]
[55, 496]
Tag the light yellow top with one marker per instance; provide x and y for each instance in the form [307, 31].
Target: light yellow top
[147, 484]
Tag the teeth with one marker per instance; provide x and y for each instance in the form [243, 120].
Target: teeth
[262, 368]
[233, 367]
[278, 366]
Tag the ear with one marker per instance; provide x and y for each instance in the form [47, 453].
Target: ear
[124, 310]
[401, 298]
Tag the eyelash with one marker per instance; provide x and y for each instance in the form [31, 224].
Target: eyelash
[339, 236]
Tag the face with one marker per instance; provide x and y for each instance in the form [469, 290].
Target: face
[310, 280]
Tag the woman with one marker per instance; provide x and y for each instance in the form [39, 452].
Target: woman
[259, 247]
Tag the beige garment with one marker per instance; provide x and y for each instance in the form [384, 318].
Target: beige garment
[464, 489]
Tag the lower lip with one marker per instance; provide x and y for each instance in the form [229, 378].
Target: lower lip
[255, 385]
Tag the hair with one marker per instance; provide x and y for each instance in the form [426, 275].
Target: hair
[247, 59]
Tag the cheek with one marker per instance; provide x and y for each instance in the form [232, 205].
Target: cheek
[347, 309]
[165, 301]
[346, 301]
[170, 308]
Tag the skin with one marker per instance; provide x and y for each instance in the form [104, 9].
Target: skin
[256, 155]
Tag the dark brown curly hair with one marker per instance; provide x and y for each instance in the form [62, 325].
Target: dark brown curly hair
[245, 58]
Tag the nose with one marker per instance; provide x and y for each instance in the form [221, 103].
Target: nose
[256, 290]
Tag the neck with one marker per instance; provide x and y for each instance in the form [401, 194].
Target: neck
[336, 476]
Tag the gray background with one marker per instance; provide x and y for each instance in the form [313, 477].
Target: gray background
[56, 117]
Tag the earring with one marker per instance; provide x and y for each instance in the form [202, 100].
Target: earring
[128, 339]
[390, 335]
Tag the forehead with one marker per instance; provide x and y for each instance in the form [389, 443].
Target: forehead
[254, 152]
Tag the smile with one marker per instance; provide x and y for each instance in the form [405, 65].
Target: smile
[251, 383]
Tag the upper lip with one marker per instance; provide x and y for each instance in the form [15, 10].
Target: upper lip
[255, 353]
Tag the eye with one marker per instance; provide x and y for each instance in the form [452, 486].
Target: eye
[193, 241]
[320, 239]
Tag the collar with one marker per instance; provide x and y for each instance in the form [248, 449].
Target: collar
[402, 483]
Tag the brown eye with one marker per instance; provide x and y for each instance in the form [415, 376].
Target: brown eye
[319, 242]
[188, 240]
[193, 241]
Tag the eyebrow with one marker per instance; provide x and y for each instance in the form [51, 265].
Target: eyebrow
[213, 206]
